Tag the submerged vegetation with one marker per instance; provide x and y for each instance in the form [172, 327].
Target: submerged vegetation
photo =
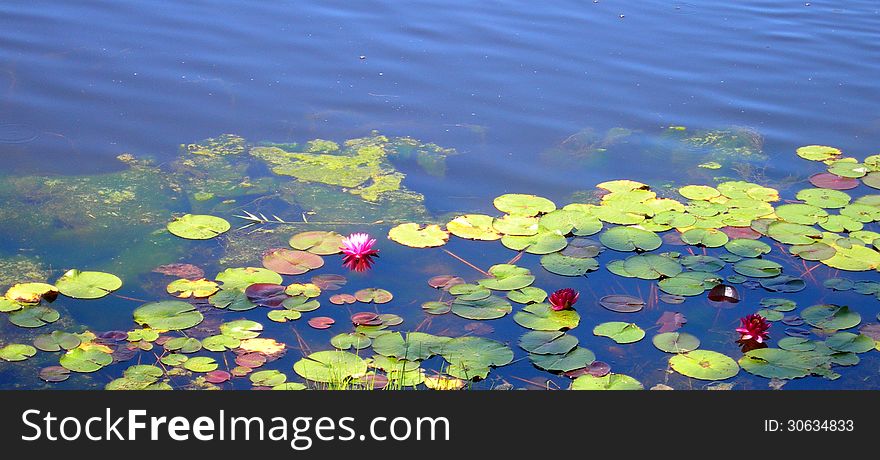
[696, 246]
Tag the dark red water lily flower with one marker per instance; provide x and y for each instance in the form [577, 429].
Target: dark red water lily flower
[754, 328]
[563, 299]
[358, 252]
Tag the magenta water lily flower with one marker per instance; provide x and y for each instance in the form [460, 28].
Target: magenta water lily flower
[563, 299]
[358, 252]
[754, 328]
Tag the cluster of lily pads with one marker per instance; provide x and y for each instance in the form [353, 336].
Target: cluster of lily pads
[738, 221]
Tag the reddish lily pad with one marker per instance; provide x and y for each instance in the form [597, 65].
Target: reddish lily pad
[317, 242]
[186, 271]
[622, 303]
[340, 299]
[329, 282]
[366, 318]
[833, 181]
[445, 282]
[321, 322]
[54, 374]
[267, 295]
[291, 262]
[250, 360]
[373, 295]
[217, 377]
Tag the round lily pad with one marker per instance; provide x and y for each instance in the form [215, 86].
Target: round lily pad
[172, 315]
[796, 344]
[540, 317]
[651, 266]
[789, 233]
[283, 316]
[17, 352]
[627, 239]
[30, 292]
[818, 152]
[87, 285]
[512, 225]
[492, 307]
[198, 227]
[833, 181]
[374, 295]
[291, 262]
[831, 317]
[528, 295]
[523, 205]
[436, 308]
[622, 303]
[814, 251]
[757, 268]
[54, 374]
[507, 277]
[346, 341]
[415, 236]
[780, 364]
[241, 278]
[708, 237]
[267, 378]
[577, 358]
[220, 342]
[36, 316]
[56, 341]
[850, 343]
[330, 366]
[620, 332]
[704, 365]
[688, 283]
[200, 364]
[473, 227]
[798, 213]
[85, 360]
[606, 382]
[186, 288]
[317, 242]
[568, 266]
[547, 342]
[676, 342]
[415, 347]
[699, 192]
[824, 198]
[783, 283]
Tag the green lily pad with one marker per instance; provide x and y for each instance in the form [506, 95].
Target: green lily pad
[512, 225]
[507, 278]
[789, 233]
[850, 343]
[317, 242]
[805, 214]
[628, 239]
[172, 315]
[818, 152]
[241, 278]
[831, 317]
[85, 360]
[346, 341]
[186, 288]
[540, 317]
[780, 364]
[473, 227]
[701, 263]
[699, 192]
[17, 352]
[620, 332]
[708, 237]
[200, 364]
[470, 357]
[704, 365]
[568, 266]
[577, 358]
[815, 251]
[523, 205]
[198, 227]
[87, 285]
[267, 378]
[689, 283]
[547, 342]
[232, 299]
[183, 345]
[824, 198]
[36, 316]
[57, 341]
[796, 344]
[415, 236]
[543, 242]
[241, 329]
[651, 266]
[528, 295]
[492, 307]
[757, 268]
[283, 316]
[220, 342]
[747, 248]
[676, 342]
[609, 381]
[783, 283]
[415, 347]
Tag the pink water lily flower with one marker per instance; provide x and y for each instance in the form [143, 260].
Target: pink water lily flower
[358, 252]
[563, 299]
[754, 327]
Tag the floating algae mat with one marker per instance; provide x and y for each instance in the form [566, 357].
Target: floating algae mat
[315, 266]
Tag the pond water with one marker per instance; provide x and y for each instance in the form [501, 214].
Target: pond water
[118, 117]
